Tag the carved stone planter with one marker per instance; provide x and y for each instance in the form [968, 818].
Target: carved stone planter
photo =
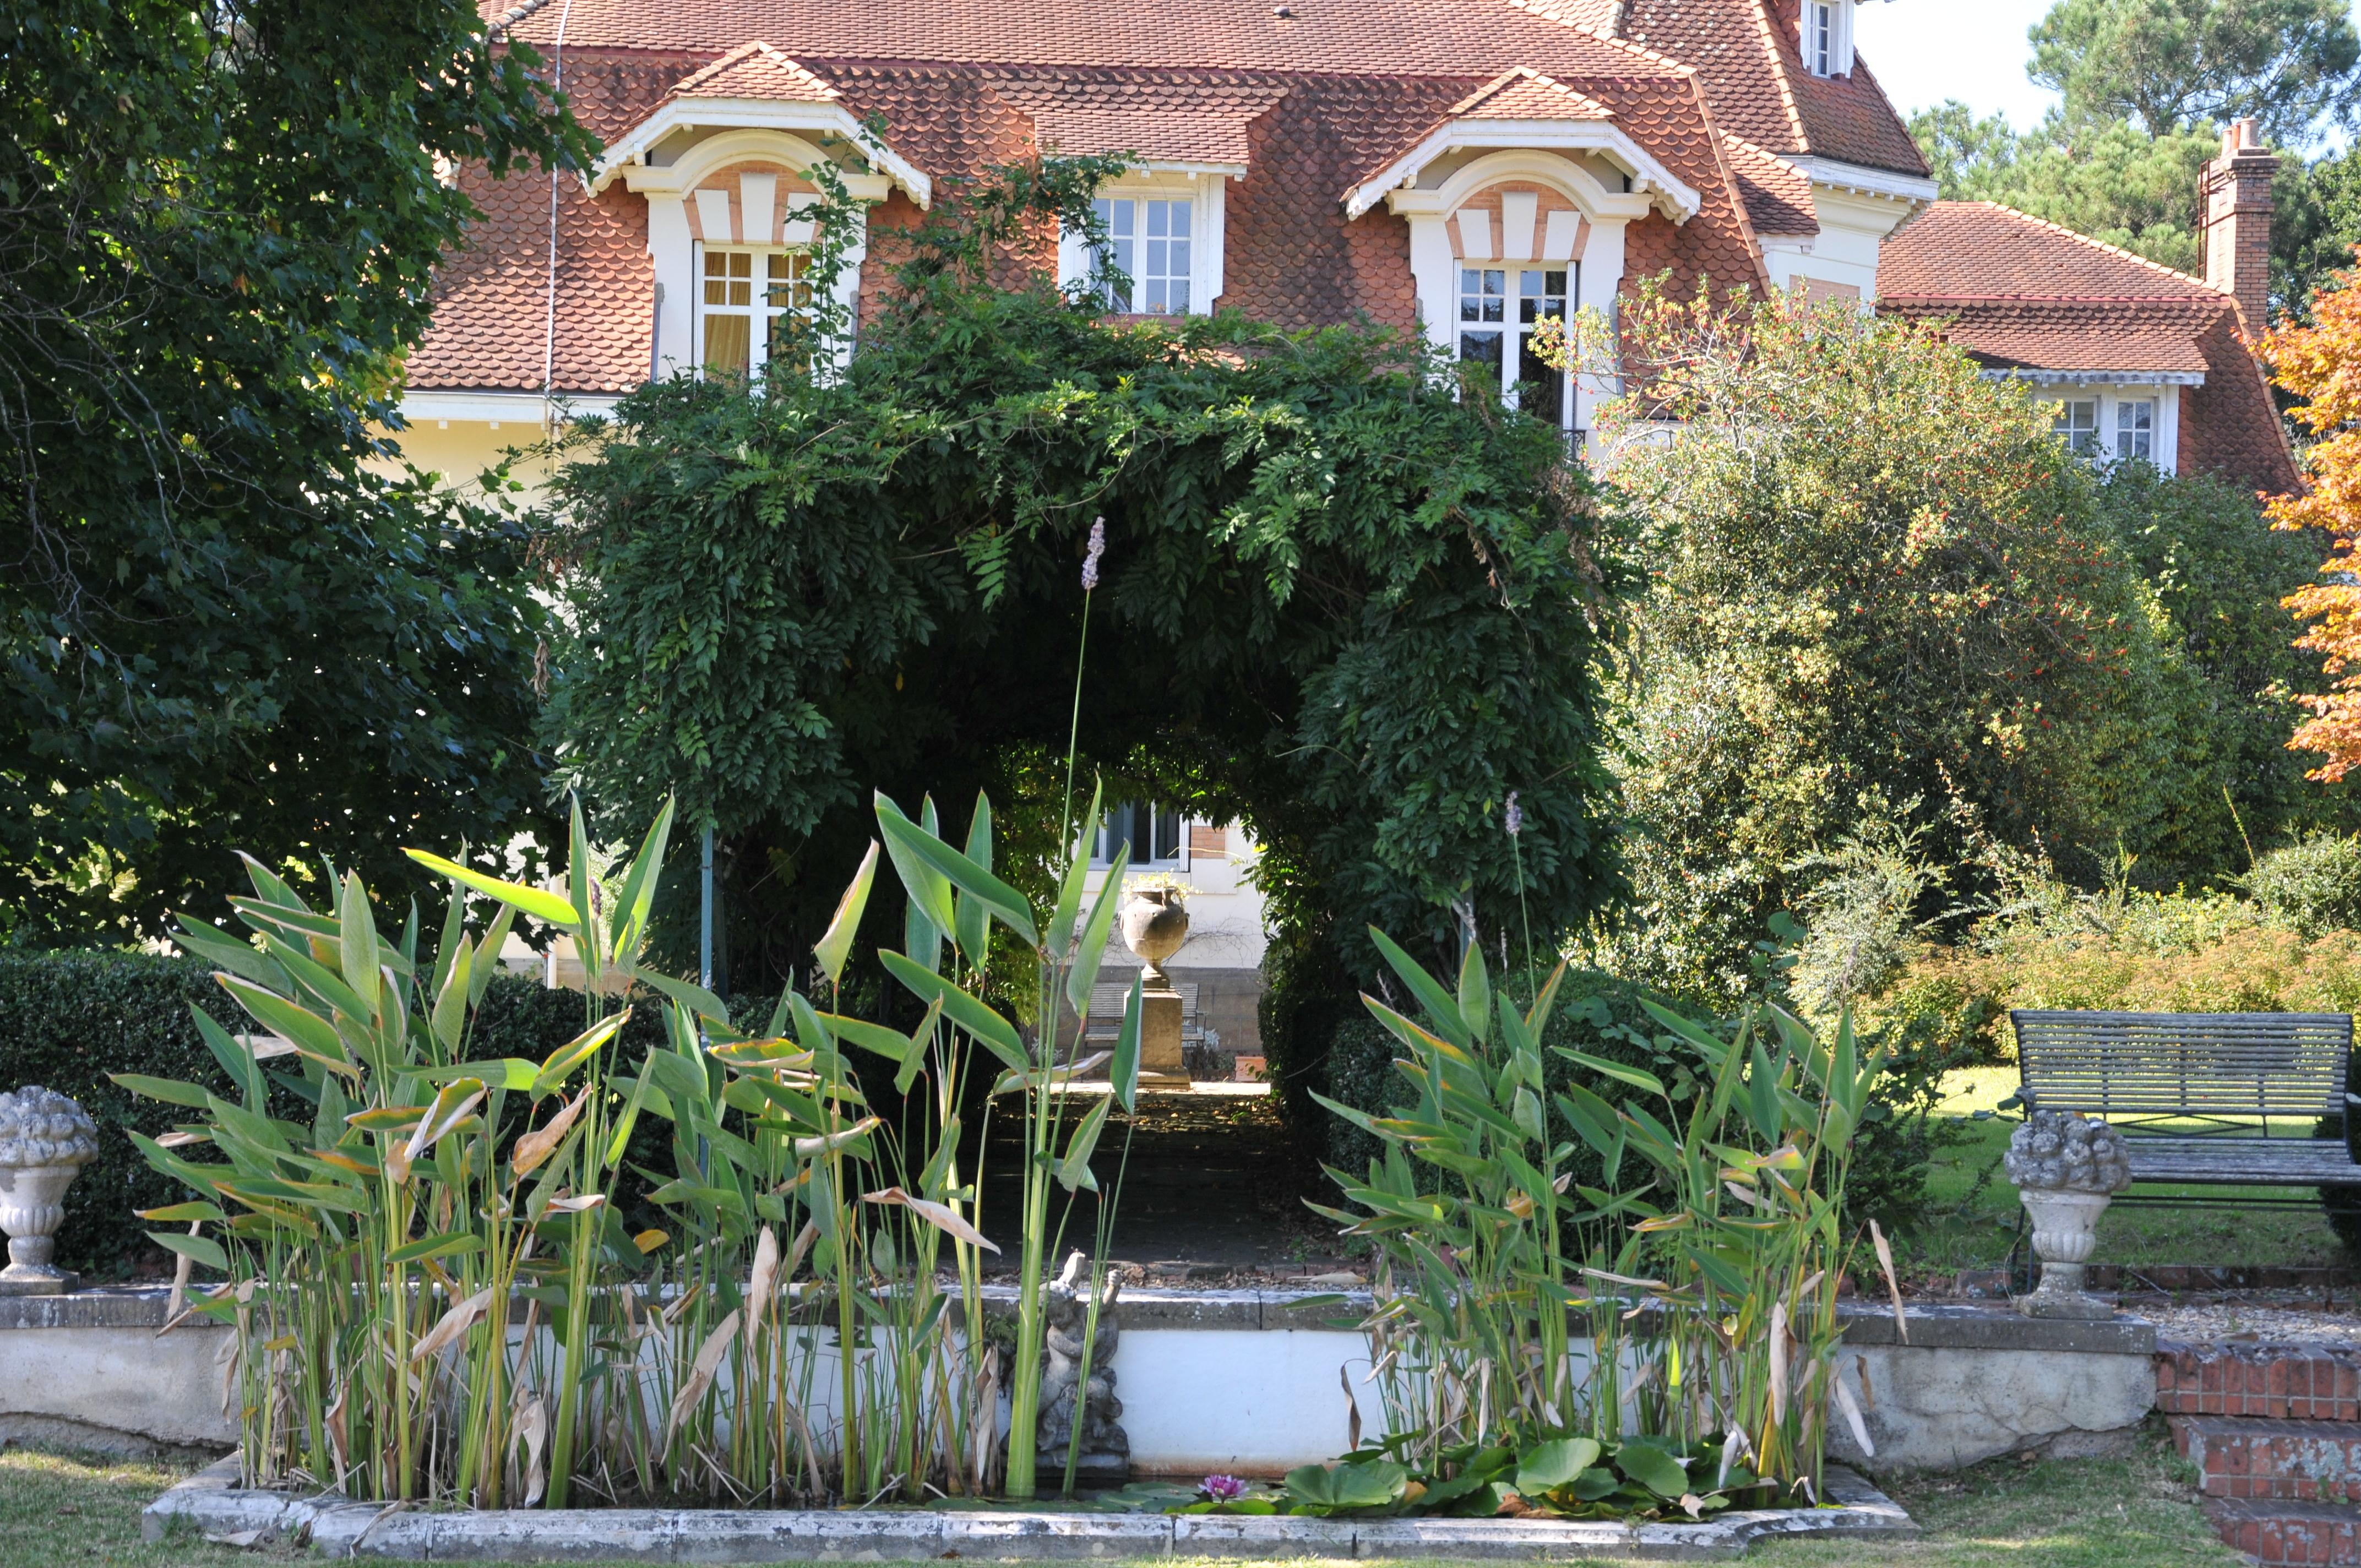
[45, 1140]
[2067, 1171]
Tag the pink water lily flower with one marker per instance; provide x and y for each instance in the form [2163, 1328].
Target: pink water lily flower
[1222, 1488]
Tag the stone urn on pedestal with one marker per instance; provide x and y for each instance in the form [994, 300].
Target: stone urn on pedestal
[1155, 923]
[2067, 1169]
[45, 1140]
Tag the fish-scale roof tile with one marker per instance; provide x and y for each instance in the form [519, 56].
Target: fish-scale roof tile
[757, 70]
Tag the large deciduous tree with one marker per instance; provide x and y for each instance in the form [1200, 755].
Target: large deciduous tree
[1878, 590]
[220, 624]
[2320, 362]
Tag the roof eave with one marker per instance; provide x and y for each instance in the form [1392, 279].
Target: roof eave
[2053, 376]
[829, 118]
[1652, 184]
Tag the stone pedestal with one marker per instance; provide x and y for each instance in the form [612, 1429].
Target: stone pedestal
[2065, 1230]
[1162, 1062]
[32, 1205]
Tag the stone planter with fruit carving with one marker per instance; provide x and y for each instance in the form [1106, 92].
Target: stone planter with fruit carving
[45, 1140]
[2067, 1169]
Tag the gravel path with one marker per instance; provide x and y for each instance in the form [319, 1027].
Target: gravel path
[2231, 1318]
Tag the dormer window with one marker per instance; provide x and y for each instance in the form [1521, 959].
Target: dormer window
[1828, 37]
[1149, 239]
[1162, 229]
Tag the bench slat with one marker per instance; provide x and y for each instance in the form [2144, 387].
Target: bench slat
[2254, 1064]
[2242, 1162]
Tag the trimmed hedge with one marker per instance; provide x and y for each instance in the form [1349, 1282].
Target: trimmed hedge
[68, 1019]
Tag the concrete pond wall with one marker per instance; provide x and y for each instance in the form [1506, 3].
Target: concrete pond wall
[1249, 1382]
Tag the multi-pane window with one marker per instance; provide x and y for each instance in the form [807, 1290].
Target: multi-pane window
[2135, 428]
[1152, 831]
[1541, 296]
[1487, 323]
[749, 307]
[2076, 423]
[1148, 242]
[1483, 315]
[1820, 22]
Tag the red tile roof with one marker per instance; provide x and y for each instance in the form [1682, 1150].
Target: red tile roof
[1748, 55]
[1402, 38]
[1524, 94]
[1984, 250]
[1311, 103]
[757, 70]
[1163, 117]
[1778, 197]
[2020, 293]
[2096, 336]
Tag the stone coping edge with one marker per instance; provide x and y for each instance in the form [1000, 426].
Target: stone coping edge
[1942, 1326]
[211, 1503]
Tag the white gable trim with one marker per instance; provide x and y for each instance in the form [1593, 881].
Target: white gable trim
[757, 128]
[1652, 185]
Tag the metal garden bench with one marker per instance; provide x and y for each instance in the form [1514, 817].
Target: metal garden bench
[2230, 1073]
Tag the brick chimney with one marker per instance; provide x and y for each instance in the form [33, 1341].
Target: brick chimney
[2238, 221]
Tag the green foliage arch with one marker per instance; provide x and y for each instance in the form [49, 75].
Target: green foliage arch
[1339, 601]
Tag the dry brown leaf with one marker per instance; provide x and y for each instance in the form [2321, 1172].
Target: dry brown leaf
[182, 1140]
[527, 1153]
[700, 1375]
[1846, 1402]
[812, 1148]
[577, 1204]
[455, 1322]
[805, 1240]
[532, 1432]
[941, 1216]
[1778, 1361]
[1885, 1262]
[339, 1441]
[762, 1284]
[1352, 1410]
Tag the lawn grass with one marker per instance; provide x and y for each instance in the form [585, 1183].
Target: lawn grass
[59, 1508]
[1972, 1211]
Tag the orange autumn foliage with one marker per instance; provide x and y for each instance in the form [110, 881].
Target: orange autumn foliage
[2322, 364]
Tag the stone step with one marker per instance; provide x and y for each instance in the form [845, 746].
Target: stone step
[2272, 1531]
[2284, 1382]
[2253, 1456]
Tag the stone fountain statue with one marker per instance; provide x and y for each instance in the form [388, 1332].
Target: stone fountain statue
[2067, 1169]
[45, 1140]
[1106, 1451]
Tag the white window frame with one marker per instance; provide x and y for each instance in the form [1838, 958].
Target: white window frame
[1131, 223]
[2136, 421]
[1102, 858]
[760, 312]
[1827, 36]
[2082, 440]
[1204, 192]
[2107, 395]
[1512, 325]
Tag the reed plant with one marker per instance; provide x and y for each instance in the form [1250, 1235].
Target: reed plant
[435, 1292]
[1686, 1308]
